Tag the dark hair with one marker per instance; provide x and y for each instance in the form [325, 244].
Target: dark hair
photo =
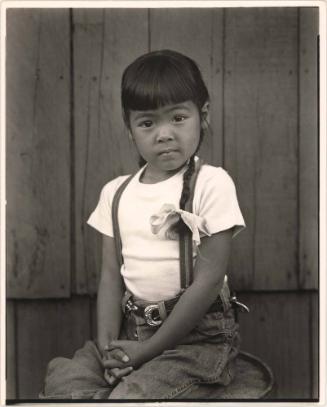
[160, 78]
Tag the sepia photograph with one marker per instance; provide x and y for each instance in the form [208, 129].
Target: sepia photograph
[162, 202]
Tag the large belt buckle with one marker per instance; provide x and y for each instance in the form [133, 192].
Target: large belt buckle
[148, 314]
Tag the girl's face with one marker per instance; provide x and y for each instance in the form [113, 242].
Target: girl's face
[166, 137]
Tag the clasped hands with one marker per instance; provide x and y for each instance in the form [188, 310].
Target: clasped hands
[121, 357]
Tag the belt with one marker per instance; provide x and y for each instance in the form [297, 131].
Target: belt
[155, 313]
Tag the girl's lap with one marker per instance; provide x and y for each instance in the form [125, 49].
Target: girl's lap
[204, 357]
[177, 371]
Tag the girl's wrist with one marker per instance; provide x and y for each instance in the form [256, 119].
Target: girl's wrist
[153, 347]
[102, 345]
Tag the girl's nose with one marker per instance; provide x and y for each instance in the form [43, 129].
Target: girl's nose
[164, 134]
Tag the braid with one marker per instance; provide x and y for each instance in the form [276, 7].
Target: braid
[180, 226]
[186, 183]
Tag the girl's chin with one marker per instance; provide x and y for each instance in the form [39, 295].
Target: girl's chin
[172, 166]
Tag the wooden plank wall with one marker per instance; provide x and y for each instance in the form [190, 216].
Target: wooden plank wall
[281, 329]
[38, 138]
[261, 142]
[308, 150]
[63, 78]
[101, 50]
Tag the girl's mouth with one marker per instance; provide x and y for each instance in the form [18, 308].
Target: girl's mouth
[167, 152]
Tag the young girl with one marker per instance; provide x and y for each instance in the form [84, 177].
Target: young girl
[158, 335]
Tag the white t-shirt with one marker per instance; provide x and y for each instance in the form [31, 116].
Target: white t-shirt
[151, 261]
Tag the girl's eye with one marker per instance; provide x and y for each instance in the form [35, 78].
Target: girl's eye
[146, 123]
[179, 118]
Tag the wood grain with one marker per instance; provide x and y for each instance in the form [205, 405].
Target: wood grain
[261, 143]
[93, 305]
[278, 331]
[46, 330]
[11, 338]
[196, 33]
[308, 148]
[38, 158]
[102, 49]
[315, 330]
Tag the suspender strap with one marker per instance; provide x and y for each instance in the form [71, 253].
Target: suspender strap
[185, 241]
[115, 223]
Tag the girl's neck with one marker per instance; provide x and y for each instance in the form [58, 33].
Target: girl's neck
[150, 176]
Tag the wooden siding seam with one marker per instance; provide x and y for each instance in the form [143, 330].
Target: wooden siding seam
[16, 348]
[16, 327]
[211, 68]
[300, 284]
[72, 158]
[149, 29]
[93, 335]
[37, 75]
[83, 192]
[318, 154]
[254, 245]
[13, 361]
[99, 121]
[311, 327]
[223, 86]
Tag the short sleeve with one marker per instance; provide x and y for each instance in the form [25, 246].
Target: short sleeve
[100, 218]
[216, 201]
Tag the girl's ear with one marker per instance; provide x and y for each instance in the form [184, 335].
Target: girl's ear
[205, 115]
[130, 135]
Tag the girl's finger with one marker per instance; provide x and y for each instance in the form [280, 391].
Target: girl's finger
[113, 363]
[117, 343]
[112, 345]
[109, 378]
[119, 373]
[119, 354]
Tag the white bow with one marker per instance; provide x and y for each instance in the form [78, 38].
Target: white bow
[169, 216]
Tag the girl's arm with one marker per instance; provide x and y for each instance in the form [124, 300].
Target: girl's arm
[210, 269]
[110, 292]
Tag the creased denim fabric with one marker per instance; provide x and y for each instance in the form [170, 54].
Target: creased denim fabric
[204, 356]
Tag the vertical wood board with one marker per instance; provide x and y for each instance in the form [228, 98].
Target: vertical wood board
[103, 47]
[197, 33]
[94, 325]
[11, 338]
[308, 148]
[314, 318]
[38, 155]
[47, 329]
[277, 329]
[261, 142]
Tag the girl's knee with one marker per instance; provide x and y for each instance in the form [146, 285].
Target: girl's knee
[129, 389]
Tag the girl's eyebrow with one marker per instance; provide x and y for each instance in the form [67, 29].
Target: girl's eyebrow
[152, 113]
[143, 114]
[178, 107]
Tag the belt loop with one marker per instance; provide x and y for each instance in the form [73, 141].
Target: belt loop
[126, 297]
[225, 294]
[162, 310]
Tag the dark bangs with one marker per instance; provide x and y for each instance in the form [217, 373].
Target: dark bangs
[161, 78]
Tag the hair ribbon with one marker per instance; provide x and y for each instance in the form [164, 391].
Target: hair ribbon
[169, 216]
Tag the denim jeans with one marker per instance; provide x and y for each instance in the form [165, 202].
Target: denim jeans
[205, 356]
